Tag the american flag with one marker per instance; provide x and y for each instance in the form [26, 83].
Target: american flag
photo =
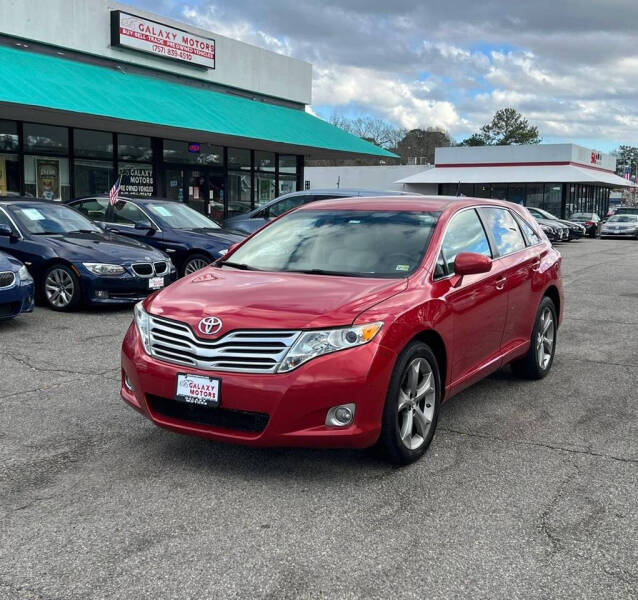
[627, 173]
[115, 190]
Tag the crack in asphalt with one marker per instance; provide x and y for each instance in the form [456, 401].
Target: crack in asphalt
[540, 445]
[25, 362]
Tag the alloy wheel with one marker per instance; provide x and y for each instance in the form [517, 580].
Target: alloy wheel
[545, 338]
[59, 288]
[195, 264]
[415, 408]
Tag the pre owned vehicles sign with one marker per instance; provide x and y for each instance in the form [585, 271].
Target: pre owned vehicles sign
[131, 31]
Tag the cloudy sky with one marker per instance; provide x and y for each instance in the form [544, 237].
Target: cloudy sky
[570, 66]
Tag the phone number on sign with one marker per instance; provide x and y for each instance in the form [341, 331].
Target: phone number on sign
[172, 53]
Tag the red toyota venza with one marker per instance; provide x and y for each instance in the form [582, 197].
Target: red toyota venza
[346, 323]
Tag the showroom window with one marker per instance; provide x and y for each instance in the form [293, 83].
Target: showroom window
[288, 164]
[239, 158]
[45, 139]
[134, 154]
[553, 198]
[265, 189]
[92, 177]
[9, 162]
[239, 193]
[47, 177]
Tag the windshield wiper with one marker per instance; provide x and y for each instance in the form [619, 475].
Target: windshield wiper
[82, 231]
[242, 266]
[325, 272]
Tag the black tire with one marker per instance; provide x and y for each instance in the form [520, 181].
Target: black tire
[530, 367]
[62, 278]
[390, 441]
[194, 259]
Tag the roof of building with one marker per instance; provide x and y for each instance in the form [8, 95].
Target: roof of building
[111, 97]
[518, 174]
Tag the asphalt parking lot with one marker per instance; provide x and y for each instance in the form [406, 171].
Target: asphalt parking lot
[529, 490]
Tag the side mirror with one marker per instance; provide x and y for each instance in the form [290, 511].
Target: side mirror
[143, 226]
[470, 263]
[5, 230]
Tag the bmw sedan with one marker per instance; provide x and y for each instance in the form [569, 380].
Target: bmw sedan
[16, 286]
[73, 261]
[191, 239]
[347, 323]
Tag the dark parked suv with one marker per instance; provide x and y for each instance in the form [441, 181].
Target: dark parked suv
[253, 220]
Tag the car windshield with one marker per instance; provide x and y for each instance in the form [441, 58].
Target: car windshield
[627, 211]
[179, 216]
[623, 219]
[354, 243]
[42, 218]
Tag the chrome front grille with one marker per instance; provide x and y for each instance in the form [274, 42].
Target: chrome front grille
[247, 351]
[7, 279]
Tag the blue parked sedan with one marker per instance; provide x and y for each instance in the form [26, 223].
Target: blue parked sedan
[73, 261]
[16, 288]
[191, 239]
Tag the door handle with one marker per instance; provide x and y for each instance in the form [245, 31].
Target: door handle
[500, 283]
[536, 265]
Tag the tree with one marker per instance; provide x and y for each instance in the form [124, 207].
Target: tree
[419, 144]
[626, 156]
[507, 127]
[377, 131]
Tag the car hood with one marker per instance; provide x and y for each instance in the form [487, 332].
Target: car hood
[261, 300]
[99, 247]
[217, 238]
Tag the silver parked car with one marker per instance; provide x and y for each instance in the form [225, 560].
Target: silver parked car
[622, 225]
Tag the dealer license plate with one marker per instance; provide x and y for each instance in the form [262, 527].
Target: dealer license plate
[198, 389]
[155, 283]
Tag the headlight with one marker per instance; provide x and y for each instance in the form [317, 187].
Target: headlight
[23, 274]
[143, 323]
[171, 266]
[104, 269]
[316, 343]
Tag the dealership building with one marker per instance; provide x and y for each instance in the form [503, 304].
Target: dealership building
[91, 90]
[560, 178]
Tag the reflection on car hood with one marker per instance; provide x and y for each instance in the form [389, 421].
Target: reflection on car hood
[99, 247]
[219, 238]
[8, 263]
[262, 300]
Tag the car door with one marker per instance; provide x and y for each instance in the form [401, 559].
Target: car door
[518, 261]
[128, 219]
[478, 305]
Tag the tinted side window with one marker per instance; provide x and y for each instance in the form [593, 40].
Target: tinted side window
[279, 208]
[464, 234]
[505, 231]
[530, 235]
[93, 209]
[4, 220]
[128, 214]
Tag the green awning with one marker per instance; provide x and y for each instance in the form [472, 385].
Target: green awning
[51, 82]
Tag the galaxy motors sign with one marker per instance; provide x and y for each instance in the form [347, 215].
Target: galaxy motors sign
[137, 33]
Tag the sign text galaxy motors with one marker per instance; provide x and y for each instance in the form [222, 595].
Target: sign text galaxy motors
[130, 31]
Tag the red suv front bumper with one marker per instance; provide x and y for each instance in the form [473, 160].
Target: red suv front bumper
[294, 404]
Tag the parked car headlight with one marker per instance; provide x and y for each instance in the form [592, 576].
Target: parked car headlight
[104, 268]
[23, 274]
[143, 324]
[170, 265]
[316, 343]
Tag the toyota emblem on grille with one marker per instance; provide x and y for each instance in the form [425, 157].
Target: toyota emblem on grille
[210, 325]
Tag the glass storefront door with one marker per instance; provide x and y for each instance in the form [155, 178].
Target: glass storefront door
[200, 188]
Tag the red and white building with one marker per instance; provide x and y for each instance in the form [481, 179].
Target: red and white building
[561, 178]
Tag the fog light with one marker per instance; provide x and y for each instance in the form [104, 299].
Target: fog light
[340, 416]
[101, 294]
[128, 384]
